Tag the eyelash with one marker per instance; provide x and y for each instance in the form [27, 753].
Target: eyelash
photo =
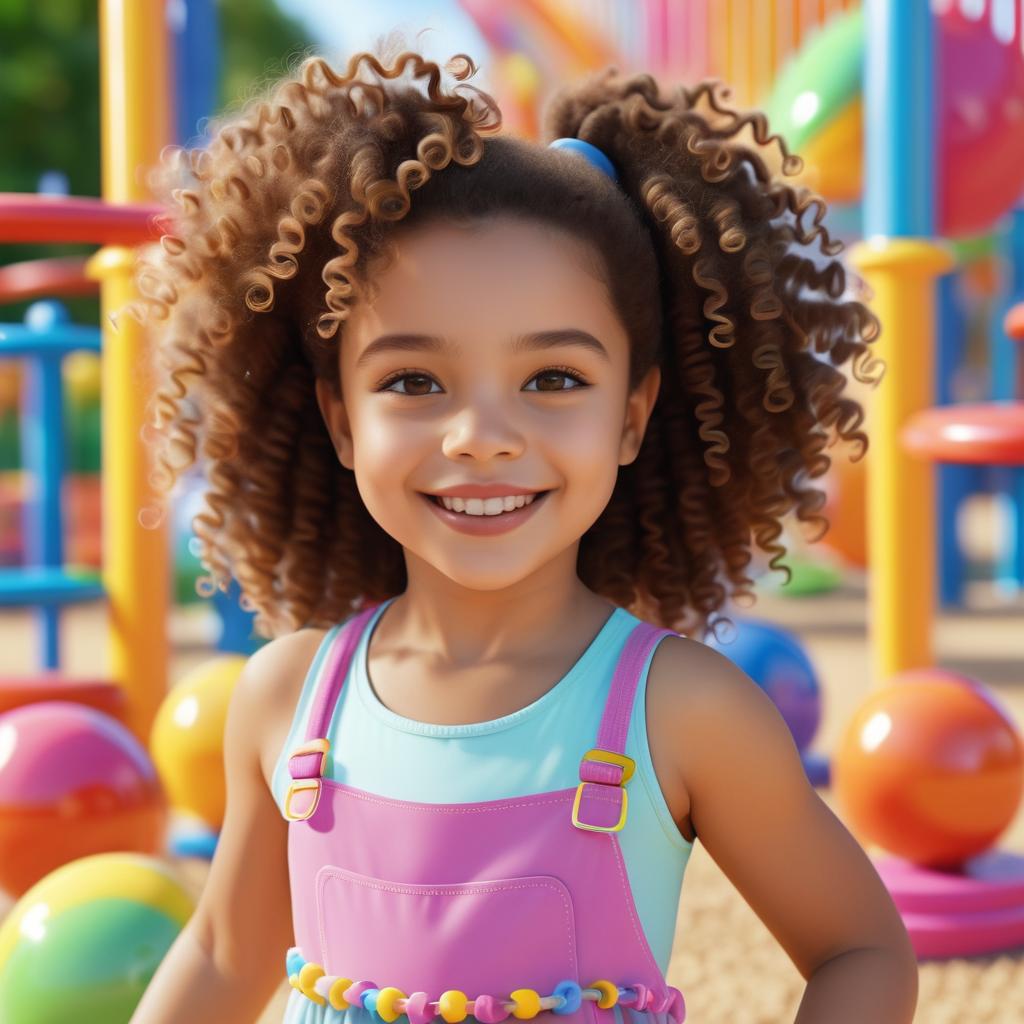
[393, 378]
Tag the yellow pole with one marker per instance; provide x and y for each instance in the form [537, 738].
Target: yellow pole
[135, 126]
[901, 508]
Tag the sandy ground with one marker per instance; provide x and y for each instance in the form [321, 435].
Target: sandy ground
[727, 964]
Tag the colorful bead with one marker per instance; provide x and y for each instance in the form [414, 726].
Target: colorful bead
[489, 1009]
[354, 993]
[638, 1001]
[677, 1008]
[418, 1008]
[609, 993]
[452, 1005]
[527, 1003]
[336, 993]
[659, 1004]
[369, 999]
[308, 977]
[569, 991]
[385, 1004]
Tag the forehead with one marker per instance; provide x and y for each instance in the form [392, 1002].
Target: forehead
[501, 274]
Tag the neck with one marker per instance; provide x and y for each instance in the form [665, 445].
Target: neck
[458, 627]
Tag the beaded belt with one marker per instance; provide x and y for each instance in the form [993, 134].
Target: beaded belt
[390, 1003]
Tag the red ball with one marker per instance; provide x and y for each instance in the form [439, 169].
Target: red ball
[930, 768]
[73, 782]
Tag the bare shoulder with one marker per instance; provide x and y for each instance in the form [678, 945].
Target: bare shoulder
[693, 695]
[701, 694]
[269, 689]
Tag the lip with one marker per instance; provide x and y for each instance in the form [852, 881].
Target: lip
[486, 526]
[496, 490]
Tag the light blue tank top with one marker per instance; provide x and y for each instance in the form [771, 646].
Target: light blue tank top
[533, 750]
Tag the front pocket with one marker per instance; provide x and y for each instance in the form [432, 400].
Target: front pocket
[489, 937]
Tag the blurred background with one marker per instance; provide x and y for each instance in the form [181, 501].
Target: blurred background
[894, 647]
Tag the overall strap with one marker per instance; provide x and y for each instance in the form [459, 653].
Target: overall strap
[600, 804]
[306, 763]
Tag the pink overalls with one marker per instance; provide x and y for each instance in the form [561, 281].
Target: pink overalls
[517, 907]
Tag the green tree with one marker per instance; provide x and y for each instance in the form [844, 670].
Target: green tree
[50, 113]
[49, 95]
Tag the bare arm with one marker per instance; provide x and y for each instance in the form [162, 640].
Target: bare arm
[788, 855]
[229, 958]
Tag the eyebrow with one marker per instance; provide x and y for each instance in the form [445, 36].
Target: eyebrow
[524, 343]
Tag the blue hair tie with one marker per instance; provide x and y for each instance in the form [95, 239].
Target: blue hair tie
[590, 153]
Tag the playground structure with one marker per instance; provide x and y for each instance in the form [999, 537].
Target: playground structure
[136, 126]
[748, 43]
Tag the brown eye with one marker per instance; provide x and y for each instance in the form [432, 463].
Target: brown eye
[554, 374]
[420, 380]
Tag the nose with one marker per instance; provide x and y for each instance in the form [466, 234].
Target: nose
[482, 431]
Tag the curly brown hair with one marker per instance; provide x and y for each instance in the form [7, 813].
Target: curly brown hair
[276, 228]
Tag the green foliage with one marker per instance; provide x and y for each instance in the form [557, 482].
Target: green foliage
[50, 120]
[258, 44]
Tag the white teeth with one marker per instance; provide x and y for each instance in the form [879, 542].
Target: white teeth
[487, 506]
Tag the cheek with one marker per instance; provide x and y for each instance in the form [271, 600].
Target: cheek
[587, 451]
[385, 443]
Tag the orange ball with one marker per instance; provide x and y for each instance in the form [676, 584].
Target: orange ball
[930, 768]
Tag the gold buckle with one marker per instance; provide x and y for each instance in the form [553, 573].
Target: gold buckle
[597, 828]
[612, 757]
[300, 786]
[608, 757]
[321, 747]
[318, 746]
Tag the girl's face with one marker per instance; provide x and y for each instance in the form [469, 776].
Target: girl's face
[487, 354]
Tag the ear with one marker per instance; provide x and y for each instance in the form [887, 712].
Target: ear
[639, 406]
[332, 408]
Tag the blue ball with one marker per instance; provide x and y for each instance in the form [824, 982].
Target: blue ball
[775, 659]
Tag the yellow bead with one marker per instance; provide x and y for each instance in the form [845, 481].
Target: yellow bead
[308, 977]
[336, 994]
[452, 1005]
[386, 1003]
[609, 993]
[293, 980]
[527, 1003]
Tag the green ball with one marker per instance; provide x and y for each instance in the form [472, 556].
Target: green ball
[84, 942]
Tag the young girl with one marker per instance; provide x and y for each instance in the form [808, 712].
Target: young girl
[487, 425]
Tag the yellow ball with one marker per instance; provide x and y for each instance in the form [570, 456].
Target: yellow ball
[386, 999]
[187, 740]
[609, 993]
[527, 1003]
[452, 1005]
[308, 977]
[336, 995]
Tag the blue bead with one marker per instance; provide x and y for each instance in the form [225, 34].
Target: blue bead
[294, 963]
[369, 999]
[571, 993]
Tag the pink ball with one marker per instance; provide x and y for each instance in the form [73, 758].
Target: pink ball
[980, 118]
[73, 782]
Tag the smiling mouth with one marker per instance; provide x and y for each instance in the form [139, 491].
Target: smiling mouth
[537, 496]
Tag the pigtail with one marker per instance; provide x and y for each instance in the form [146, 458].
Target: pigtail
[758, 324]
[272, 226]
